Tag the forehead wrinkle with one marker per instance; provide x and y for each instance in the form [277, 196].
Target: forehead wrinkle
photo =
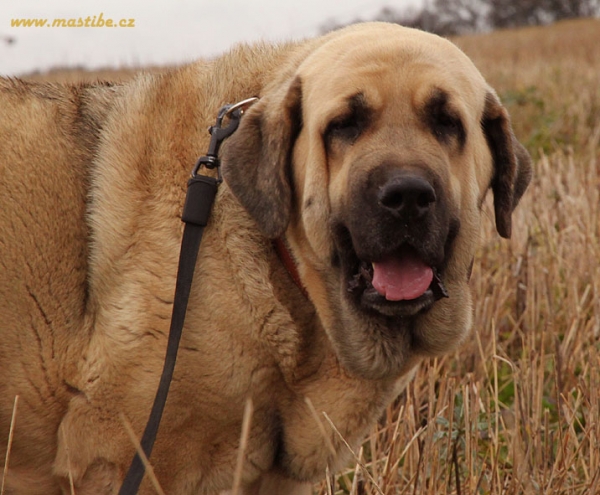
[395, 76]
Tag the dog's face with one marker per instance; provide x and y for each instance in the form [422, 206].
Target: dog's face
[373, 154]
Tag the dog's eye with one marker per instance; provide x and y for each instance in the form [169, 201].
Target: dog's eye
[447, 126]
[349, 126]
[346, 128]
[443, 120]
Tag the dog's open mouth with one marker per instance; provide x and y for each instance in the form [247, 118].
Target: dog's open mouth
[400, 284]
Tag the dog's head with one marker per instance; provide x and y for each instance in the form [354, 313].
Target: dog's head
[373, 154]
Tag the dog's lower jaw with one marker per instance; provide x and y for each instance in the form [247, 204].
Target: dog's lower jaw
[376, 346]
[445, 329]
[379, 349]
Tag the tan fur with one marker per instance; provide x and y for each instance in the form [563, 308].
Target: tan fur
[92, 184]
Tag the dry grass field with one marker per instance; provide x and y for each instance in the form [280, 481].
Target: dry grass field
[517, 409]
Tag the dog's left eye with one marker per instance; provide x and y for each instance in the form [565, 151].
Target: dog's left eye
[443, 120]
[447, 125]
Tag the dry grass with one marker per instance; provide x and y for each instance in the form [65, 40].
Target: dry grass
[517, 409]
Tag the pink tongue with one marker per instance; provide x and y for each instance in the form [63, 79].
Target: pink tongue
[403, 278]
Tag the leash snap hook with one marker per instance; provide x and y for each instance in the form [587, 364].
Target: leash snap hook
[218, 134]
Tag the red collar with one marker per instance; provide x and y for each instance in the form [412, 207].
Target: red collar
[290, 264]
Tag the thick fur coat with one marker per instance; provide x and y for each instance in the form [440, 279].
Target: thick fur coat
[371, 147]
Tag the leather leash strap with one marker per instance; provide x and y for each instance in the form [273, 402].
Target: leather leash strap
[200, 196]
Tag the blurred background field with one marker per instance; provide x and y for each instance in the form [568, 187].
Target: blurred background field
[517, 409]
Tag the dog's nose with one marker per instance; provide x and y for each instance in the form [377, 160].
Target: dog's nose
[408, 196]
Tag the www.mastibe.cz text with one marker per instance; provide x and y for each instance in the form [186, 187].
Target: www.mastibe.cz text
[94, 21]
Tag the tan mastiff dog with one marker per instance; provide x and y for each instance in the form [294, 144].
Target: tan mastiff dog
[369, 155]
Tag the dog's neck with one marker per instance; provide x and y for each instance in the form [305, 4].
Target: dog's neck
[289, 263]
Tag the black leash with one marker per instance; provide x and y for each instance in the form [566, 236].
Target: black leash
[198, 204]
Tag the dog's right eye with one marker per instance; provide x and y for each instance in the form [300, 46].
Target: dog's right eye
[346, 128]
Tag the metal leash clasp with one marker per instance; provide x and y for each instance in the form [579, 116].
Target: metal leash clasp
[202, 189]
[218, 134]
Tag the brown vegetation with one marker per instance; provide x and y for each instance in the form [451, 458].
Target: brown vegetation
[454, 17]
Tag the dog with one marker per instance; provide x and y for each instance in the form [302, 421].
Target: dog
[368, 156]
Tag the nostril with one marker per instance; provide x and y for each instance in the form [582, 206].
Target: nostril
[407, 195]
[392, 199]
[426, 198]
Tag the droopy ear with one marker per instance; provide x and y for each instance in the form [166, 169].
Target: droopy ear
[512, 164]
[257, 158]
